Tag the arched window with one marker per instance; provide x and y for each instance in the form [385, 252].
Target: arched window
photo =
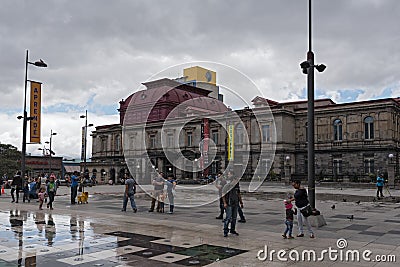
[369, 128]
[337, 130]
[239, 137]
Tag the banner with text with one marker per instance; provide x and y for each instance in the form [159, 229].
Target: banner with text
[35, 111]
[231, 143]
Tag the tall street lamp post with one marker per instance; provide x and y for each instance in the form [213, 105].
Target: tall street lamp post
[25, 118]
[51, 151]
[308, 68]
[85, 139]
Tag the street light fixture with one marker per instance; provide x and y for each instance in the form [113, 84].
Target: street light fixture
[308, 68]
[85, 139]
[51, 151]
[25, 117]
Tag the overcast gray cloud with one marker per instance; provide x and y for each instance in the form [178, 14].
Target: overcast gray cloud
[99, 52]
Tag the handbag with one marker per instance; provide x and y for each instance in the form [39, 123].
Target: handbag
[306, 211]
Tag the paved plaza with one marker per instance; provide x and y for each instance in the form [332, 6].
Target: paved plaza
[99, 234]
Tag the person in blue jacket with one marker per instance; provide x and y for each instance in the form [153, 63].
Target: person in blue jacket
[379, 183]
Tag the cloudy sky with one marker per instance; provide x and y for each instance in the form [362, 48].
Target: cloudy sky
[98, 52]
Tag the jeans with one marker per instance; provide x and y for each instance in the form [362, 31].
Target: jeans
[74, 193]
[51, 199]
[132, 199]
[171, 201]
[241, 215]
[231, 216]
[300, 219]
[289, 227]
[221, 207]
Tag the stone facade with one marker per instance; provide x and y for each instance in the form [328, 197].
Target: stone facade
[353, 141]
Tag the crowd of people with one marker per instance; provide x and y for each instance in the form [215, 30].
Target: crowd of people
[230, 199]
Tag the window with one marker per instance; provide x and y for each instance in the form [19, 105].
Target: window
[239, 134]
[337, 130]
[337, 166]
[170, 140]
[214, 136]
[369, 127]
[118, 143]
[103, 144]
[152, 140]
[368, 165]
[266, 133]
[189, 139]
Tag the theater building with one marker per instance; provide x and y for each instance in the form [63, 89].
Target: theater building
[353, 141]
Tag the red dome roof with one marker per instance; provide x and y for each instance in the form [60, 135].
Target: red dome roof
[161, 97]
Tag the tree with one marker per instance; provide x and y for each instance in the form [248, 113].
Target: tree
[9, 160]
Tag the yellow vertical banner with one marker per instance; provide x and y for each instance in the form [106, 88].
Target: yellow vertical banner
[231, 143]
[35, 111]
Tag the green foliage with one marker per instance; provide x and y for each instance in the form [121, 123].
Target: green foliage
[9, 160]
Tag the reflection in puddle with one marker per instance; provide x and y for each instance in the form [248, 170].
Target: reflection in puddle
[34, 233]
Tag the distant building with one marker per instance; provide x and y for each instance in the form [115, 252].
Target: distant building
[353, 141]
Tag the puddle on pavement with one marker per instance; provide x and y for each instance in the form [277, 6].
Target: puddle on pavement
[30, 238]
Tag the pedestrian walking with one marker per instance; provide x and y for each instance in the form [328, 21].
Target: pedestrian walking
[51, 190]
[289, 219]
[380, 182]
[220, 182]
[130, 191]
[171, 184]
[158, 183]
[232, 199]
[42, 195]
[16, 186]
[301, 201]
[74, 187]
[26, 192]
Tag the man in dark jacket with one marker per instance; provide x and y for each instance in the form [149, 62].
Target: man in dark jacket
[232, 199]
[16, 185]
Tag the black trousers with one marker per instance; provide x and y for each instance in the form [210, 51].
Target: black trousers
[16, 190]
[379, 191]
[74, 193]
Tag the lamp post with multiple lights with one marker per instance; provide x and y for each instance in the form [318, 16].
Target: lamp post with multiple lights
[25, 117]
[51, 151]
[308, 68]
[85, 140]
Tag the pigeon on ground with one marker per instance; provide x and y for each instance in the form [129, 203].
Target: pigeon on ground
[351, 217]
[333, 207]
[358, 202]
[344, 200]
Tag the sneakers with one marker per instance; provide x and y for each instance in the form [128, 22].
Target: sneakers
[290, 237]
[151, 210]
[300, 235]
[134, 210]
[312, 236]
[123, 210]
[225, 234]
[170, 212]
[242, 221]
[284, 236]
[234, 233]
[219, 217]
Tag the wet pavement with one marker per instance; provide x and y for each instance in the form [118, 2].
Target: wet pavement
[99, 234]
